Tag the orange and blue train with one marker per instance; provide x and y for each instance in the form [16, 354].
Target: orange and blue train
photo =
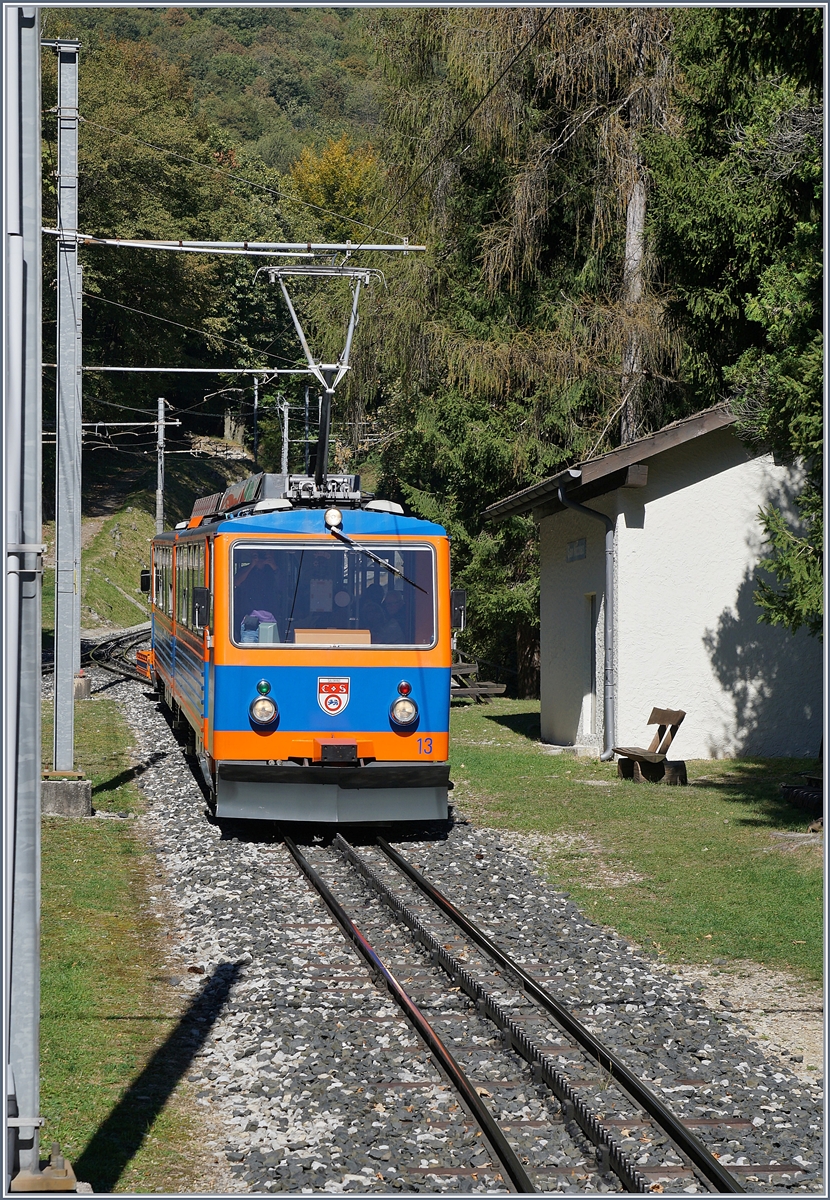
[304, 633]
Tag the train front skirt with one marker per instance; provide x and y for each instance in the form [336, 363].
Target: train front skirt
[387, 791]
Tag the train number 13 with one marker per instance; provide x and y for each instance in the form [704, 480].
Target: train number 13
[425, 745]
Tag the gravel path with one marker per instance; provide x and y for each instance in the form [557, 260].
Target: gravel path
[783, 1015]
[321, 1086]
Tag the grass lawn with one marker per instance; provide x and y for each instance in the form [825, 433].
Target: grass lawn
[690, 873]
[106, 1005]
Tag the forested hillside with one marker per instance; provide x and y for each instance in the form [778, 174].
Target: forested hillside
[275, 80]
[622, 212]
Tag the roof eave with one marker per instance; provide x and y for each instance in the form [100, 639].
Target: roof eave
[597, 476]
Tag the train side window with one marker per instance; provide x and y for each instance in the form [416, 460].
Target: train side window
[209, 579]
[184, 594]
[187, 590]
[162, 579]
[190, 575]
[188, 605]
[188, 614]
[200, 607]
[182, 589]
[168, 580]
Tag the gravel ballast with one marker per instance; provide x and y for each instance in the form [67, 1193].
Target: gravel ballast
[318, 1081]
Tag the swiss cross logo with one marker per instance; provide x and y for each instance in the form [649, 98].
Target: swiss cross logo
[333, 695]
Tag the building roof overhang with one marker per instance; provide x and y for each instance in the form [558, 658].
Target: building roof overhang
[623, 467]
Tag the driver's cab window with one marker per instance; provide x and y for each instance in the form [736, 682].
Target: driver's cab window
[322, 596]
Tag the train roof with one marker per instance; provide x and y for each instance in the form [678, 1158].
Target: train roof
[356, 522]
[300, 491]
[268, 503]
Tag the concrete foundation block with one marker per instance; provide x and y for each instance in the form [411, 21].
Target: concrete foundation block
[577, 751]
[586, 751]
[83, 687]
[66, 797]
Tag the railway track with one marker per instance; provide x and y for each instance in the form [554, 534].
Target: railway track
[110, 653]
[319, 1081]
[587, 1086]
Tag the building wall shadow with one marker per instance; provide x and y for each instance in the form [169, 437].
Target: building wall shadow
[774, 679]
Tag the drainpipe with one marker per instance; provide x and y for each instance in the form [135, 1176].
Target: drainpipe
[609, 692]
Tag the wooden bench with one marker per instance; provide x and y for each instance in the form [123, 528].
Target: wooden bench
[652, 765]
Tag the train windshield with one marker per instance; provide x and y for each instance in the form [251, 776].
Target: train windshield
[333, 596]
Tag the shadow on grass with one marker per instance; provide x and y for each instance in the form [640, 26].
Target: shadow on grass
[116, 1142]
[129, 774]
[527, 725]
[763, 810]
[755, 787]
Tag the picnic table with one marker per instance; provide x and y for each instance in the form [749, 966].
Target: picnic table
[466, 682]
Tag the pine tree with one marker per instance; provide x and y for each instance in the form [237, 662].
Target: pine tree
[737, 195]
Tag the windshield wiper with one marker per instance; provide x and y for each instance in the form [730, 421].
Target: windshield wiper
[376, 558]
[294, 597]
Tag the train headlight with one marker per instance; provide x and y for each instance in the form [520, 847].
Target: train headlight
[404, 711]
[263, 710]
[333, 518]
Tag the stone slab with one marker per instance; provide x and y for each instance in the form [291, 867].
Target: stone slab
[66, 797]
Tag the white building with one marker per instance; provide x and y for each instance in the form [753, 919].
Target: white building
[683, 507]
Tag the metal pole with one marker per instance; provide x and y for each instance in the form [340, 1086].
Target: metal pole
[68, 475]
[160, 468]
[202, 370]
[343, 363]
[13, 437]
[256, 415]
[76, 523]
[290, 249]
[306, 431]
[324, 377]
[22, 409]
[284, 461]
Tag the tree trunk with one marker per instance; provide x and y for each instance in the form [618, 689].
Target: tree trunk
[633, 266]
[527, 661]
[633, 287]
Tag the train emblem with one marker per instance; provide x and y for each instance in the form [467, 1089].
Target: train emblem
[333, 694]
